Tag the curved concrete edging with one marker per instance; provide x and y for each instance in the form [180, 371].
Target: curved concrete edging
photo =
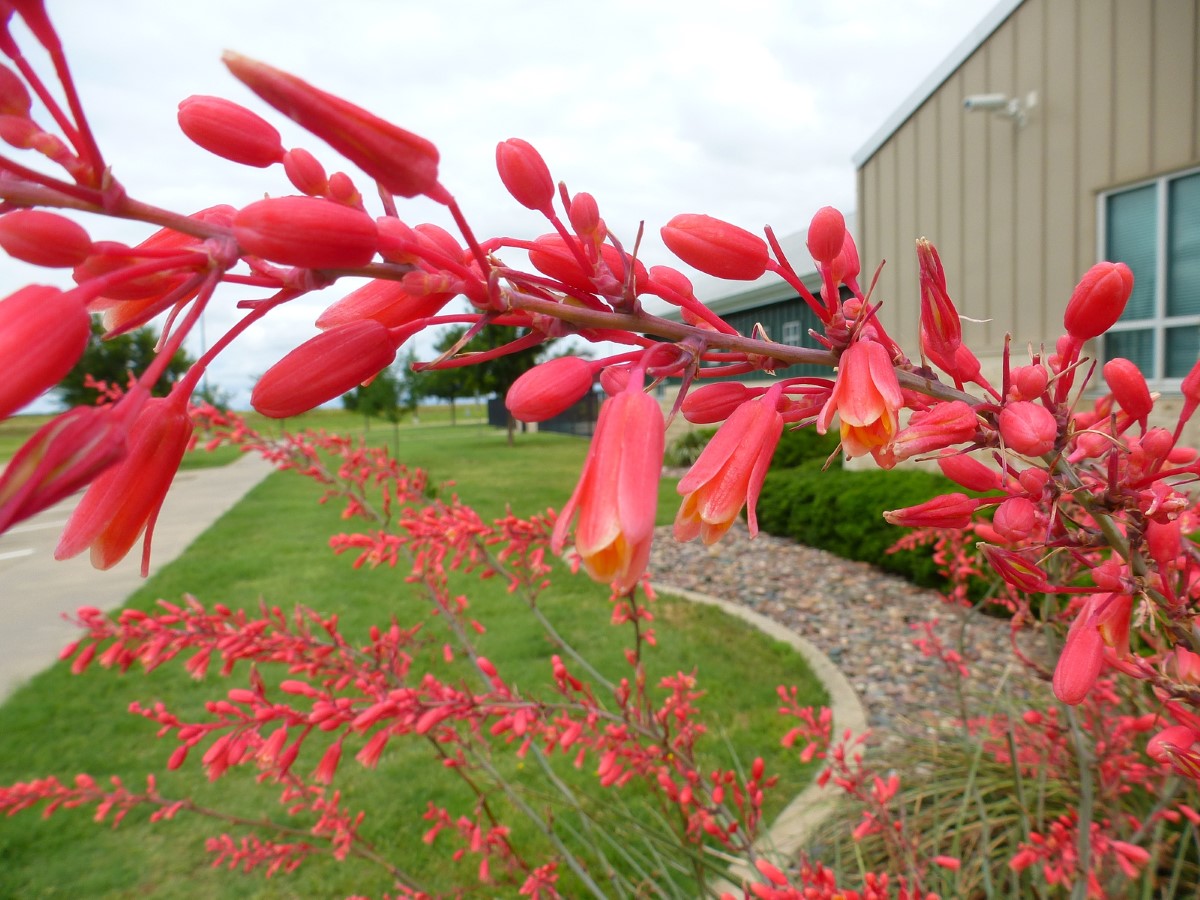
[798, 819]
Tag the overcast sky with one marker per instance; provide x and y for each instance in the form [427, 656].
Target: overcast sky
[748, 111]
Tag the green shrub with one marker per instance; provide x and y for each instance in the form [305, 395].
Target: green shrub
[685, 449]
[842, 511]
[801, 445]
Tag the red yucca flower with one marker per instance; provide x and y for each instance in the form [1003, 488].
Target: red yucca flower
[323, 368]
[307, 232]
[826, 235]
[123, 503]
[63, 456]
[867, 399]
[402, 162]
[1098, 300]
[230, 131]
[384, 301]
[715, 247]
[43, 332]
[617, 494]
[729, 472]
[549, 389]
[946, 511]
[44, 238]
[1028, 428]
[525, 175]
[1129, 389]
[551, 256]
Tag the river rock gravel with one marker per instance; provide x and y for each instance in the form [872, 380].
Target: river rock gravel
[864, 619]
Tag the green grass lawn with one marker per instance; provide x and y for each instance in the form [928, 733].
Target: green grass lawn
[272, 546]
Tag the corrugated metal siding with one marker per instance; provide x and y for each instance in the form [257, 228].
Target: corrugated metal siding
[1013, 209]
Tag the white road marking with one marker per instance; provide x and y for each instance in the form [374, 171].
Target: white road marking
[40, 526]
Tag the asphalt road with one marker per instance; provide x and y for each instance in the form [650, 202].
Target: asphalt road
[35, 589]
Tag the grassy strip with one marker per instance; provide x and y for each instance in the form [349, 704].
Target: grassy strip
[272, 546]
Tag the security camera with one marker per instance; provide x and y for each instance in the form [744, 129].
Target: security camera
[986, 101]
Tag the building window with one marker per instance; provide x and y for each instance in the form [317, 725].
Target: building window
[1154, 228]
[791, 333]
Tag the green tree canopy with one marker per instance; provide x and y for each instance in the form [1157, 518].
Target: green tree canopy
[114, 360]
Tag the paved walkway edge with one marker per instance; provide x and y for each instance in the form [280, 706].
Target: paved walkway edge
[812, 805]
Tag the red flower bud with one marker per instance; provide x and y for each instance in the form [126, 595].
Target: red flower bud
[1030, 381]
[946, 511]
[307, 232]
[715, 402]
[1128, 387]
[553, 257]
[826, 234]
[1098, 300]
[1015, 519]
[384, 301]
[43, 332]
[549, 389]
[304, 172]
[14, 97]
[401, 161]
[230, 131]
[323, 368]
[526, 175]
[969, 472]
[44, 238]
[1028, 428]
[715, 247]
[584, 215]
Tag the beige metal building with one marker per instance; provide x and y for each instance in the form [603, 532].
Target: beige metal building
[1059, 133]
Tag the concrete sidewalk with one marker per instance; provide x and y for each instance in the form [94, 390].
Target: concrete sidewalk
[35, 590]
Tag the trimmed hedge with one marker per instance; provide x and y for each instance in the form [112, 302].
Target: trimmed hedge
[842, 511]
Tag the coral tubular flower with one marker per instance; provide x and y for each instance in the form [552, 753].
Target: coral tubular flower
[123, 503]
[230, 131]
[63, 456]
[970, 473]
[549, 389]
[617, 495]
[947, 423]
[384, 301]
[1098, 300]
[404, 163]
[867, 398]
[941, 329]
[729, 472]
[323, 368]
[306, 231]
[1028, 428]
[525, 175]
[1129, 389]
[715, 247]
[715, 402]
[826, 234]
[44, 238]
[43, 332]
[947, 511]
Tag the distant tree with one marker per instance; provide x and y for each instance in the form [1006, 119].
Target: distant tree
[449, 384]
[392, 394]
[498, 375]
[114, 360]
